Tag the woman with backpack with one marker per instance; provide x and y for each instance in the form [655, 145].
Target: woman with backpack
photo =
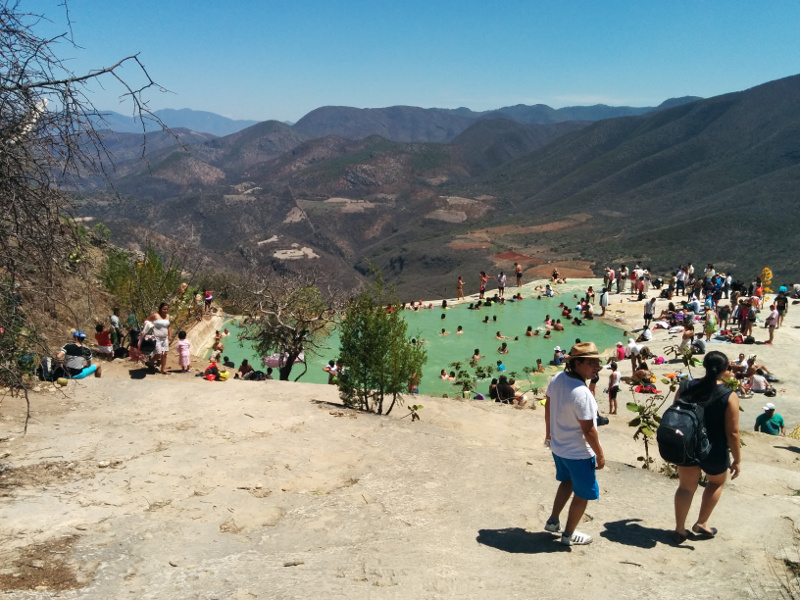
[721, 418]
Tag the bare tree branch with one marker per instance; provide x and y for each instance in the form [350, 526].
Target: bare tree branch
[287, 315]
[47, 134]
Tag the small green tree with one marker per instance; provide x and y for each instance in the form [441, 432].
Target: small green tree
[684, 355]
[102, 234]
[142, 284]
[648, 412]
[380, 360]
[466, 380]
[648, 418]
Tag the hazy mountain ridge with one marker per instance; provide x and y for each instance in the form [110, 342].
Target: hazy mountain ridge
[712, 180]
[414, 124]
[186, 118]
[398, 123]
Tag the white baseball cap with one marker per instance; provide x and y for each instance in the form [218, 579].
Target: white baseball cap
[769, 406]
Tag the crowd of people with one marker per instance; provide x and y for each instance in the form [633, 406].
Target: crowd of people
[714, 310]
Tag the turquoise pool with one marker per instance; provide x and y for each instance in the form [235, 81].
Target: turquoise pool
[511, 319]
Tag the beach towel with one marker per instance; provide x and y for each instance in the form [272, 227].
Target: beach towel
[646, 389]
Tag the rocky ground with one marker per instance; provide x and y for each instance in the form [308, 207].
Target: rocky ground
[175, 487]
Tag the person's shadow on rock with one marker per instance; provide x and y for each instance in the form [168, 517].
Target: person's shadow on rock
[139, 373]
[519, 541]
[630, 533]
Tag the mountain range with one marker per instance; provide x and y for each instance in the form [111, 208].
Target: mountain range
[703, 180]
[412, 124]
[399, 123]
[184, 118]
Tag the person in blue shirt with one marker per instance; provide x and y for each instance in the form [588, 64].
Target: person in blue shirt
[558, 356]
[770, 422]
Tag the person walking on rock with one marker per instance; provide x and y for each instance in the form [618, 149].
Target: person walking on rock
[570, 414]
[721, 419]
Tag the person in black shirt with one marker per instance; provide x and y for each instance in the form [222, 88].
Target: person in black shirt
[77, 359]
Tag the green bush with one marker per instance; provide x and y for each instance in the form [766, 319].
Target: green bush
[141, 285]
[380, 360]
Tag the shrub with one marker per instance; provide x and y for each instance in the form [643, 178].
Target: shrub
[379, 359]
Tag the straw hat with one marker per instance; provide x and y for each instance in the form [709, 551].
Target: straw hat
[584, 350]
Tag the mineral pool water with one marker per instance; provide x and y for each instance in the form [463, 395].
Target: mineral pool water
[511, 319]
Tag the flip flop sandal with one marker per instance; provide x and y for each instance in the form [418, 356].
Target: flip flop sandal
[679, 538]
[704, 534]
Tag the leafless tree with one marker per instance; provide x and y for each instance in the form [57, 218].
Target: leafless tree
[46, 134]
[288, 315]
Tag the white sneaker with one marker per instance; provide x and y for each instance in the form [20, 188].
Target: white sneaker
[576, 539]
[552, 526]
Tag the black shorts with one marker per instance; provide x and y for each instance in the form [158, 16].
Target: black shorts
[718, 460]
[612, 393]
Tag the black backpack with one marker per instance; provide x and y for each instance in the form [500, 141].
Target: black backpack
[681, 435]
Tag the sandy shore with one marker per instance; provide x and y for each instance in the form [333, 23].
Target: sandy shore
[174, 487]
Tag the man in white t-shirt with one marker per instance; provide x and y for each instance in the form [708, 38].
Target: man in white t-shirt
[633, 351]
[570, 414]
[501, 284]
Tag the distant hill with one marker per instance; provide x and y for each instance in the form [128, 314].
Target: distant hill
[397, 123]
[710, 180]
[714, 179]
[195, 120]
[172, 170]
[413, 124]
[490, 143]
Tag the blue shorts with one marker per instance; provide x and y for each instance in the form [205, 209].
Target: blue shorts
[85, 372]
[582, 475]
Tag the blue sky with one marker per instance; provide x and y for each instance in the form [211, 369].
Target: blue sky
[276, 59]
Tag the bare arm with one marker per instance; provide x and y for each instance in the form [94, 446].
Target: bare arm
[591, 437]
[546, 418]
[732, 433]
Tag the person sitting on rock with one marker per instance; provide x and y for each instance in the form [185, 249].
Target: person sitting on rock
[77, 359]
[244, 369]
[757, 383]
[642, 374]
[645, 336]
[105, 348]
